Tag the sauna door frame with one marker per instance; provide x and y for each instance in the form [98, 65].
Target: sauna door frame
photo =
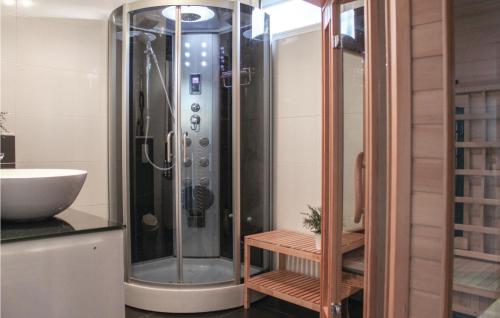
[332, 154]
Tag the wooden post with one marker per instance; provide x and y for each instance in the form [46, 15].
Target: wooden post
[246, 291]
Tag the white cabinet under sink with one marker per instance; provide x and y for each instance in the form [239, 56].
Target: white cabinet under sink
[74, 276]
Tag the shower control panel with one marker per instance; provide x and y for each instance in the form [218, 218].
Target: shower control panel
[195, 84]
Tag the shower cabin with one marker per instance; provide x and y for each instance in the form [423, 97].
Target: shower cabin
[189, 140]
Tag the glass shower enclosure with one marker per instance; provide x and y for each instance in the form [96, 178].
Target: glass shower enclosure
[189, 134]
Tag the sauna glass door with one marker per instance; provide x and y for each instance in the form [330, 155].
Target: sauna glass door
[476, 228]
[346, 210]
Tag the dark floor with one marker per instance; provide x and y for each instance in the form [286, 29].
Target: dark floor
[267, 308]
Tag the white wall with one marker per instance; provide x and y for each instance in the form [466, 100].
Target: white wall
[297, 127]
[54, 86]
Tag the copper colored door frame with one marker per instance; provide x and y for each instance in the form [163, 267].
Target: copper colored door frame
[375, 107]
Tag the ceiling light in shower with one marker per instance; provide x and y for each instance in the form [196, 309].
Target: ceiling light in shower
[189, 13]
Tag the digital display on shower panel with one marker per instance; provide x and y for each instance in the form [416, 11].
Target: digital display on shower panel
[195, 84]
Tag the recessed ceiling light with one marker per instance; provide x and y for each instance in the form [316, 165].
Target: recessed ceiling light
[189, 13]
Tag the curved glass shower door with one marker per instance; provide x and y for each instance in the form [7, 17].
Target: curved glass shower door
[151, 130]
[189, 241]
[206, 130]
[195, 148]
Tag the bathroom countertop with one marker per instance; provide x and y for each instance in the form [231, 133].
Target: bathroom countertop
[68, 222]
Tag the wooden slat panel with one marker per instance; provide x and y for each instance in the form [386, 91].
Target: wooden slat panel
[478, 228]
[425, 275]
[427, 175]
[474, 200]
[424, 243]
[427, 141]
[427, 73]
[429, 40]
[478, 144]
[427, 107]
[424, 11]
[477, 172]
[425, 208]
[424, 304]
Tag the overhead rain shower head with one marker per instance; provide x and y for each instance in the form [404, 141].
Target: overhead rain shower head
[190, 13]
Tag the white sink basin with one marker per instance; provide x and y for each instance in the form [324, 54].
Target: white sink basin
[30, 194]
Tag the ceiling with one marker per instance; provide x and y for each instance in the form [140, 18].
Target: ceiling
[73, 9]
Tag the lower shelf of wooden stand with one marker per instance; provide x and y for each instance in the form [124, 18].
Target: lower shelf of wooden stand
[296, 288]
[299, 289]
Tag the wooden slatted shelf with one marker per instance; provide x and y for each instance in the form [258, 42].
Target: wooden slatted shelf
[476, 277]
[293, 287]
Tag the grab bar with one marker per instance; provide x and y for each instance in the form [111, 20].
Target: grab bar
[169, 147]
[359, 196]
[184, 143]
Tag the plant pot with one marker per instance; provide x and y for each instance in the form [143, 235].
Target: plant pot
[317, 240]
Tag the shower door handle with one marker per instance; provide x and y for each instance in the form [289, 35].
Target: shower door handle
[185, 145]
[359, 195]
[169, 147]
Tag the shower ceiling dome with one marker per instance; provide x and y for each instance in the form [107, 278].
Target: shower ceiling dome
[190, 13]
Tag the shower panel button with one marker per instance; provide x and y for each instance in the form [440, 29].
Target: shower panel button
[188, 141]
[188, 163]
[195, 107]
[204, 142]
[204, 162]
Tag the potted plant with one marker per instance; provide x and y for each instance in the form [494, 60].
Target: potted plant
[312, 222]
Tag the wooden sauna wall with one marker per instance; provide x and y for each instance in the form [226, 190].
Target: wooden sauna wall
[430, 159]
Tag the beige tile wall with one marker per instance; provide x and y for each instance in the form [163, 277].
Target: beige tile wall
[54, 86]
[297, 127]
